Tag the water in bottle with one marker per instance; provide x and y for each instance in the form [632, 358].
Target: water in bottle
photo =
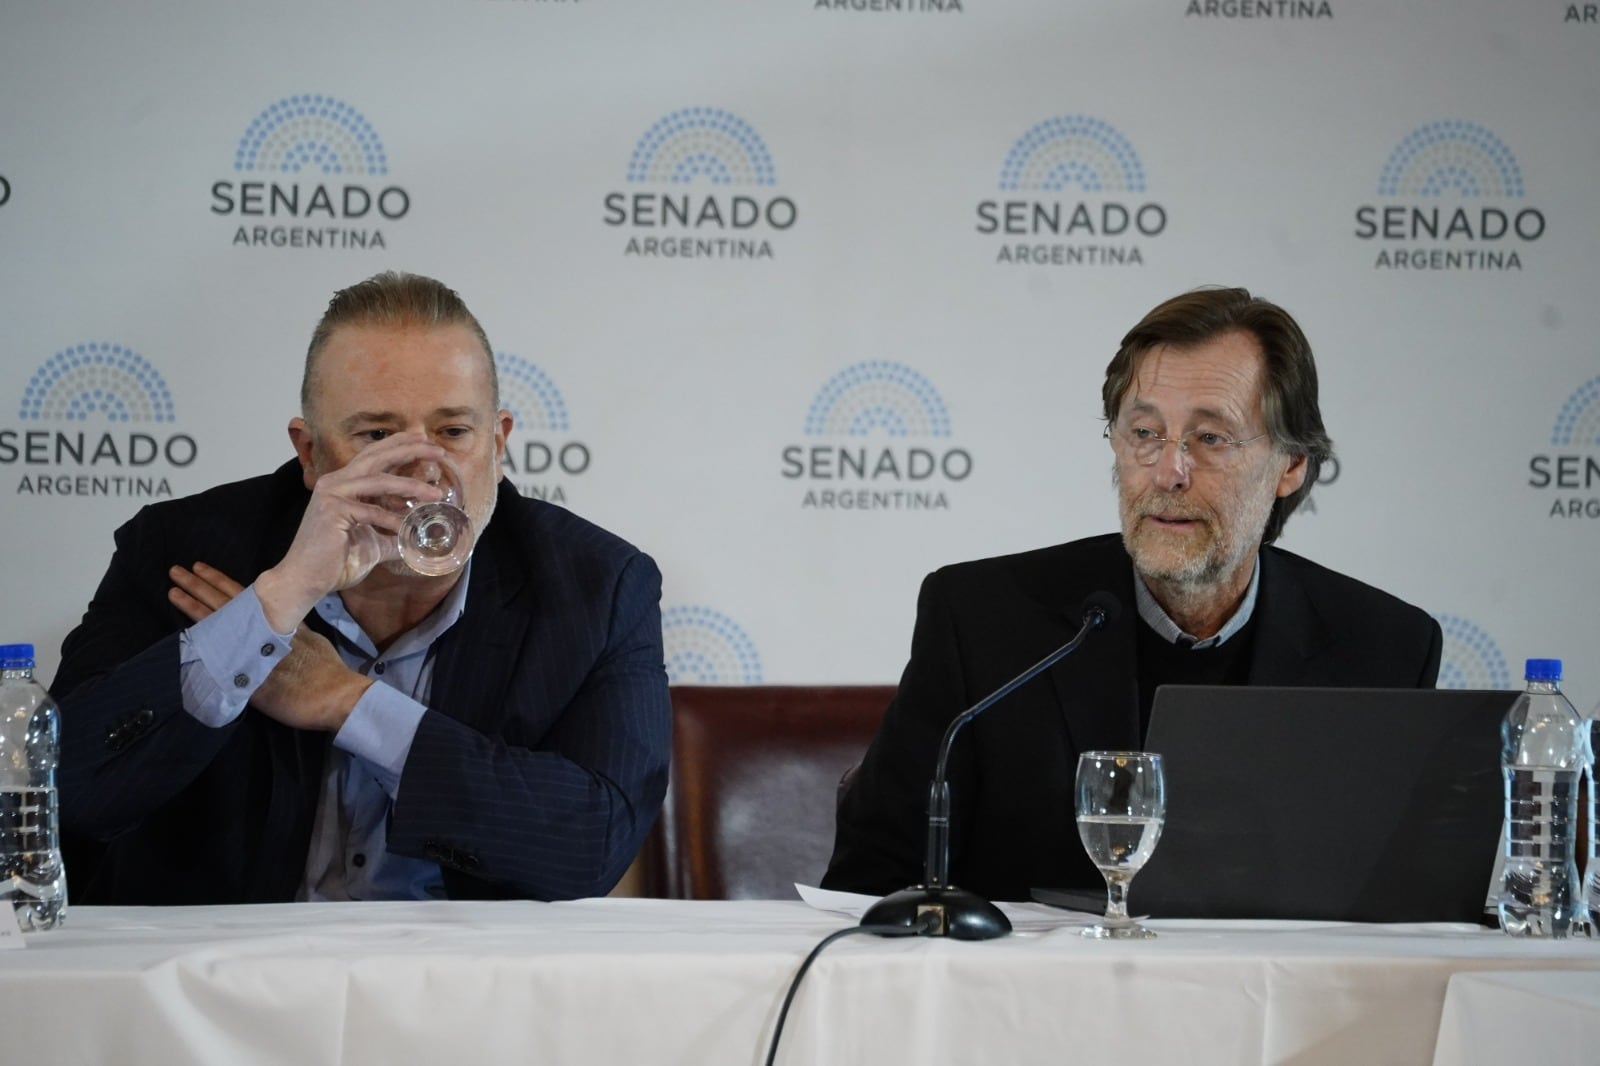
[32, 880]
[1541, 756]
[1591, 871]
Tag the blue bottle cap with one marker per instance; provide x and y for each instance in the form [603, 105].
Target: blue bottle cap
[16, 656]
[1542, 670]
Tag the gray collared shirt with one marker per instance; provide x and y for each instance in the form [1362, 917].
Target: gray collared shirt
[1158, 619]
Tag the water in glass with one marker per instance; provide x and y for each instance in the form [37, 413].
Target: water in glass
[1121, 803]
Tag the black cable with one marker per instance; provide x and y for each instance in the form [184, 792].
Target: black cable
[928, 924]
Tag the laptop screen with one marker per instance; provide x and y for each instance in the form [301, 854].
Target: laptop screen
[1378, 805]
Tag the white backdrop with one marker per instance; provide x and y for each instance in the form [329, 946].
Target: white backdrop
[527, 153]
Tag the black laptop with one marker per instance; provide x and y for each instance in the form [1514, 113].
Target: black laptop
[1372, 805]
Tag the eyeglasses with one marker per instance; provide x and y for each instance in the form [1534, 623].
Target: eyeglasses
[1205, 449]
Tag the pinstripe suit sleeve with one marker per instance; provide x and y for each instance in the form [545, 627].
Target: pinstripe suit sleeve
[561, 814]
[128, 745]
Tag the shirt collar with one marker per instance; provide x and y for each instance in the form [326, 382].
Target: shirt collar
[1158, 619]
[415, 640]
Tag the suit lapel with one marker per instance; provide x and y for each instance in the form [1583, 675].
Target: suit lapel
[469, 675]
[1097, 686]
[1290, 634]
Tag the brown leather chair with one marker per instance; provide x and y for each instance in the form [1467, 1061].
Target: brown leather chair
[755, 777]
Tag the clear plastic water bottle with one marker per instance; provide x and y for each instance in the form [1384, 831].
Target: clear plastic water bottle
[1542, 755]
[32, 880]
[1591, 871]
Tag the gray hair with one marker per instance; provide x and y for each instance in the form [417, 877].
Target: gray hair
[1289, 385]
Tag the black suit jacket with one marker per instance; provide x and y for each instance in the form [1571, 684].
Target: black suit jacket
[536, 772]
[1011, 770]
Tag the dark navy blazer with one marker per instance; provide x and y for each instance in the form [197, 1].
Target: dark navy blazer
[1011, 770]
[536, 772]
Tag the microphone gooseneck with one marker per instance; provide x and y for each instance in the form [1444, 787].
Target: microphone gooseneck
[962, 914]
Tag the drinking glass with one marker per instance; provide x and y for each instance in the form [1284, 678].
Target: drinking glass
[436, 538]
[430, 538]
[1121, 803]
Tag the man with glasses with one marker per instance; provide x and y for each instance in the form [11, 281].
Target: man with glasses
[1216, 437]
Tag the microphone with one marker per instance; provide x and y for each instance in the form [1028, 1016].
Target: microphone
[962, 914]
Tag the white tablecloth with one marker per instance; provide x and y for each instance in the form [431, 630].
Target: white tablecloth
[1491, 1018]
[650, 982]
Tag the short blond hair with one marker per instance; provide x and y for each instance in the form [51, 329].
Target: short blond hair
[392, 298]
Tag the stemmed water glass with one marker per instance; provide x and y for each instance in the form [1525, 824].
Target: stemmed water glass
[432, 538]
[436, 538]
[1121, 803]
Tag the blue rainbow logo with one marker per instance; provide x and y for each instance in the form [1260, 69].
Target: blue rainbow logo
[698, 142]
[1451, 156]
[1578, 421]
[878, 395]
[1073, 150]
[1471, 658]
[529, 394]
[706, 647]
[312, 131]
[97, 379]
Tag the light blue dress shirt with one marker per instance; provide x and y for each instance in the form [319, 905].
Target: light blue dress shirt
[225, 657]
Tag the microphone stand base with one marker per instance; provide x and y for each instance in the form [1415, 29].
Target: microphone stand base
[962, 915]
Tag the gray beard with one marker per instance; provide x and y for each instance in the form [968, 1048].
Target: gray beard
[1195, 574]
